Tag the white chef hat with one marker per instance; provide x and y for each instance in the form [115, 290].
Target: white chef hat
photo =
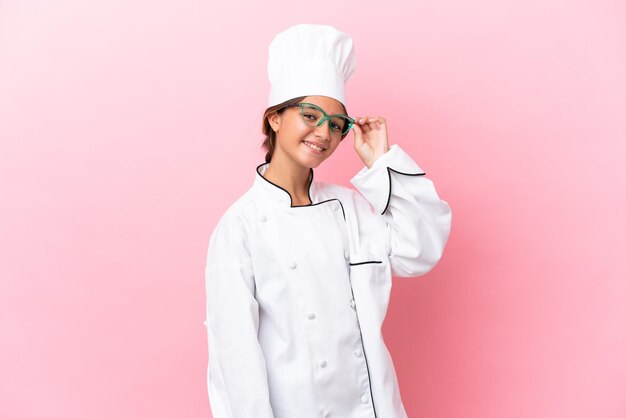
[310, 60]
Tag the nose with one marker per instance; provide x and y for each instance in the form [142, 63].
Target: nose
[323, 130]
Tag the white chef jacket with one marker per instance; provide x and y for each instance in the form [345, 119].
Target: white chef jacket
[296, 295]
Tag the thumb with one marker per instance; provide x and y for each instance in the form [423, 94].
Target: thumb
[358, 136]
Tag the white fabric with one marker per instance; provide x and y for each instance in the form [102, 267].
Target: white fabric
[309, 60]
[296, 295]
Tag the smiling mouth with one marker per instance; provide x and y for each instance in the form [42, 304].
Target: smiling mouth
[313, 147]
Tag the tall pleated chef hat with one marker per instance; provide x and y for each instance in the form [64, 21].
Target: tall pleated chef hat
[310, 60]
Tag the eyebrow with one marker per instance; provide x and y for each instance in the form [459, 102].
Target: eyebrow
[329, 114]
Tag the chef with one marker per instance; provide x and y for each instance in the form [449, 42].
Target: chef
[299, 271]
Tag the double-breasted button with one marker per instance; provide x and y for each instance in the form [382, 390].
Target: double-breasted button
[358, 352]
[323, 363]
[263, 218]
[346, 254]
[311, 315]
[292, 265]
[352, 304]
[365, 398]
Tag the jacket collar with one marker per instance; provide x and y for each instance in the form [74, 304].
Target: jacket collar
[277, 193]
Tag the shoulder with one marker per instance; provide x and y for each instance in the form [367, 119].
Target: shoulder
[237, 215]
[238, 207]
[327, 189]
[345, 194]
[229, 239]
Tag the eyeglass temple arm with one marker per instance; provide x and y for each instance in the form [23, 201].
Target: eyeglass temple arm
[352, 120]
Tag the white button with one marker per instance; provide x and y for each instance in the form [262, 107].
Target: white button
[263, 218]
[352, 304]
[323, 363]
[205, 324]
[292, 265]
[346, 254]
[358, 352]
[311, 315]
[336, 206]
[365, 398]
[324, 413]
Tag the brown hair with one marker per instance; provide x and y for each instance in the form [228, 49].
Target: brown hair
[269, 142]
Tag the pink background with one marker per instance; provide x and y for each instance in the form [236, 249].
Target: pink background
[127, 128]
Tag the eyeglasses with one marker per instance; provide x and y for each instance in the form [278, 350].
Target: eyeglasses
[313, 115]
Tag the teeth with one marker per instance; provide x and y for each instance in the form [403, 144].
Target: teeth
[313, 146]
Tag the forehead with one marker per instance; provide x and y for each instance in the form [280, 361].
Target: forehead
[330, 105]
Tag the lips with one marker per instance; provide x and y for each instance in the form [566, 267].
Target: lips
[316, 144]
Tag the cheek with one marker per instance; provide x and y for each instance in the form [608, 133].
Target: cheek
[297, 132]
[298, 126]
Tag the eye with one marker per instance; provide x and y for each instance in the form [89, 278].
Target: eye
[312, 117]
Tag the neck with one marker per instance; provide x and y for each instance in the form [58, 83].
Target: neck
[290, 176]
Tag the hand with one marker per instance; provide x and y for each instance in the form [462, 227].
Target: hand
[370, 138]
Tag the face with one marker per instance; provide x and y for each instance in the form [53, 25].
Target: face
[293, 134]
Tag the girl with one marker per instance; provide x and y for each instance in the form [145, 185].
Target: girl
[298, 271]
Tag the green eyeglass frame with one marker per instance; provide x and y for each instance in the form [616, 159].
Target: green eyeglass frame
[346, 129]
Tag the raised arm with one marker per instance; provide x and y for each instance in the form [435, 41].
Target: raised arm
[415, 220]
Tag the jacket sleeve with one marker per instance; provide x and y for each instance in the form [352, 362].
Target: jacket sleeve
[236, 374]
[414, 222]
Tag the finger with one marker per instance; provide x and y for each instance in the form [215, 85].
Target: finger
[359, 121]
[376, 122]
[358, 136]
[371, 123]
[378, 119]
[367, 123]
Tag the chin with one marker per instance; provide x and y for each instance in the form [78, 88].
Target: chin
[310, 162]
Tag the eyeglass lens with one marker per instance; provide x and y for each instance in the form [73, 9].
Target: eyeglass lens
[312, 115]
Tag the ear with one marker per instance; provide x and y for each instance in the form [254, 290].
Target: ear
[274, 120]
